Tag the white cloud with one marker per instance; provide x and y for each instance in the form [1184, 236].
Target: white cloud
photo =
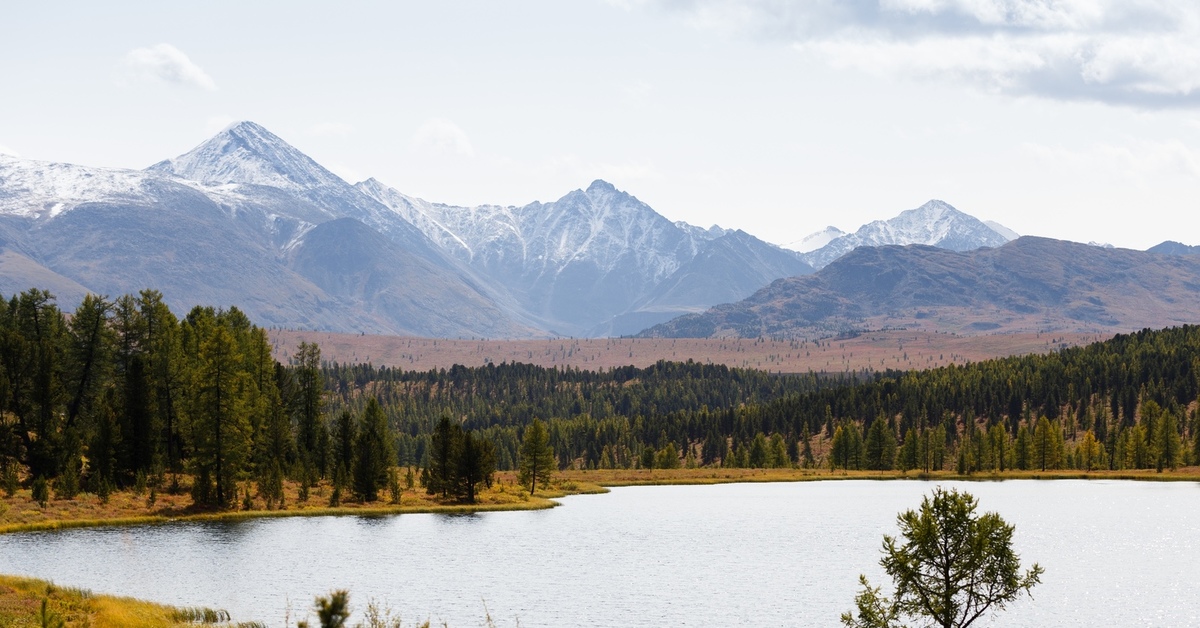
[1137, 52]
[331, 129]
[165, 63]
[4, 150]
[439, 136]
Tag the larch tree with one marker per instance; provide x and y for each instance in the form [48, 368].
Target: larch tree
[537, 457]
[952, 568]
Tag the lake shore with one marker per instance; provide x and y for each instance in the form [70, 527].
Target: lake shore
[20, 513]
[33, 602]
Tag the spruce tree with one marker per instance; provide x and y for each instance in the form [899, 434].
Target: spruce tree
[374, 454]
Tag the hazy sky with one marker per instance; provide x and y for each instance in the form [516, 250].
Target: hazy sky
[1076, 119]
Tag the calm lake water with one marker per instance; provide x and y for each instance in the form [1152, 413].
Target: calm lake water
[1115, 553]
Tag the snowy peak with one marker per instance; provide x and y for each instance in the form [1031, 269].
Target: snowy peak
[936, 223]
[814, 241]
[247, 153]
[42, 190]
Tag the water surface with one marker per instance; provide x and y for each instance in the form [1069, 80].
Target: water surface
[1116, 553]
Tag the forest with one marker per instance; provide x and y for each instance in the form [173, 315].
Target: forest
[124, 393]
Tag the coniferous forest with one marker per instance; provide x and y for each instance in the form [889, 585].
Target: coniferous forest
[123, 393]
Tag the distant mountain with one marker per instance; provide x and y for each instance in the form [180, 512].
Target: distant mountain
[246, 219]
[1029, 284]
[1170, 247]
[935, 223]
[225, 240]
[814, 241]
[1007, 233]
[596, 261]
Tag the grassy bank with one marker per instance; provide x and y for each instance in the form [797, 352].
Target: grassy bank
[21, 513]
[652, 477]
[37, 603]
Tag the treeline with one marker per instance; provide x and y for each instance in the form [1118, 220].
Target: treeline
[595, 418]
[1126, 403]
[123, 393]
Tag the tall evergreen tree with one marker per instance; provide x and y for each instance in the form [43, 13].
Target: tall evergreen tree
[445, 446]
[537, 457]
[374, 454]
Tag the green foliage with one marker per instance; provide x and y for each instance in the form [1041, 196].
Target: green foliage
[333, 610]
[9, 479]
[879, 451]
[537, 457]
[952, 568]
[373, 454]
[40, 491]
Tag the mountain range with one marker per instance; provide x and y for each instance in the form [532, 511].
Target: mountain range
[1028, 284]
[249, 220]
[935, 223]
[246, 219]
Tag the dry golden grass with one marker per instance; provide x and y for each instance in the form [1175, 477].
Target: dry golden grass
[21, 514]
[705, 475]
[873, 350]
[21, 605]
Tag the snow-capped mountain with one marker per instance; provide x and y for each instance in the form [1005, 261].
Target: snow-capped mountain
[229, 239]
[1002, 230]
[245, 152]
[814, 241]
[587, 259]
[247, 219]
[935, 223]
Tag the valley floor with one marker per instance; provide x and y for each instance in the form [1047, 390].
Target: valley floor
[875, 350]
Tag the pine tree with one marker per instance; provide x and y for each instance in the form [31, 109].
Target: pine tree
[374, 454]
[221, 430]
[444, 449]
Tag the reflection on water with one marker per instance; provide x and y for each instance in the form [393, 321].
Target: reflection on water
[1115, 553]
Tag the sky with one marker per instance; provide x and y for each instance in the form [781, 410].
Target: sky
[1072, 119]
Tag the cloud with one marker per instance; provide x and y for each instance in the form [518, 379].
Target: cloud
[165, 63]
[1144, 53]
[439, 136]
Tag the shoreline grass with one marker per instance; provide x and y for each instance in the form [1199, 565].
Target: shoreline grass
[34, 603]
[21, 514]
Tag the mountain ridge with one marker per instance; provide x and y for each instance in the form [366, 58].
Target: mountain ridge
[1029, 284]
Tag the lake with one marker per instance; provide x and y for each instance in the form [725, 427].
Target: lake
[1116, 553]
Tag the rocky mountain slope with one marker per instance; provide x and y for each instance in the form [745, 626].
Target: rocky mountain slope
[1171, 247]
[1029, 284]
[596, 261]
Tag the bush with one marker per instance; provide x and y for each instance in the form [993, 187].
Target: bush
[9, 479]
[41, 491]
